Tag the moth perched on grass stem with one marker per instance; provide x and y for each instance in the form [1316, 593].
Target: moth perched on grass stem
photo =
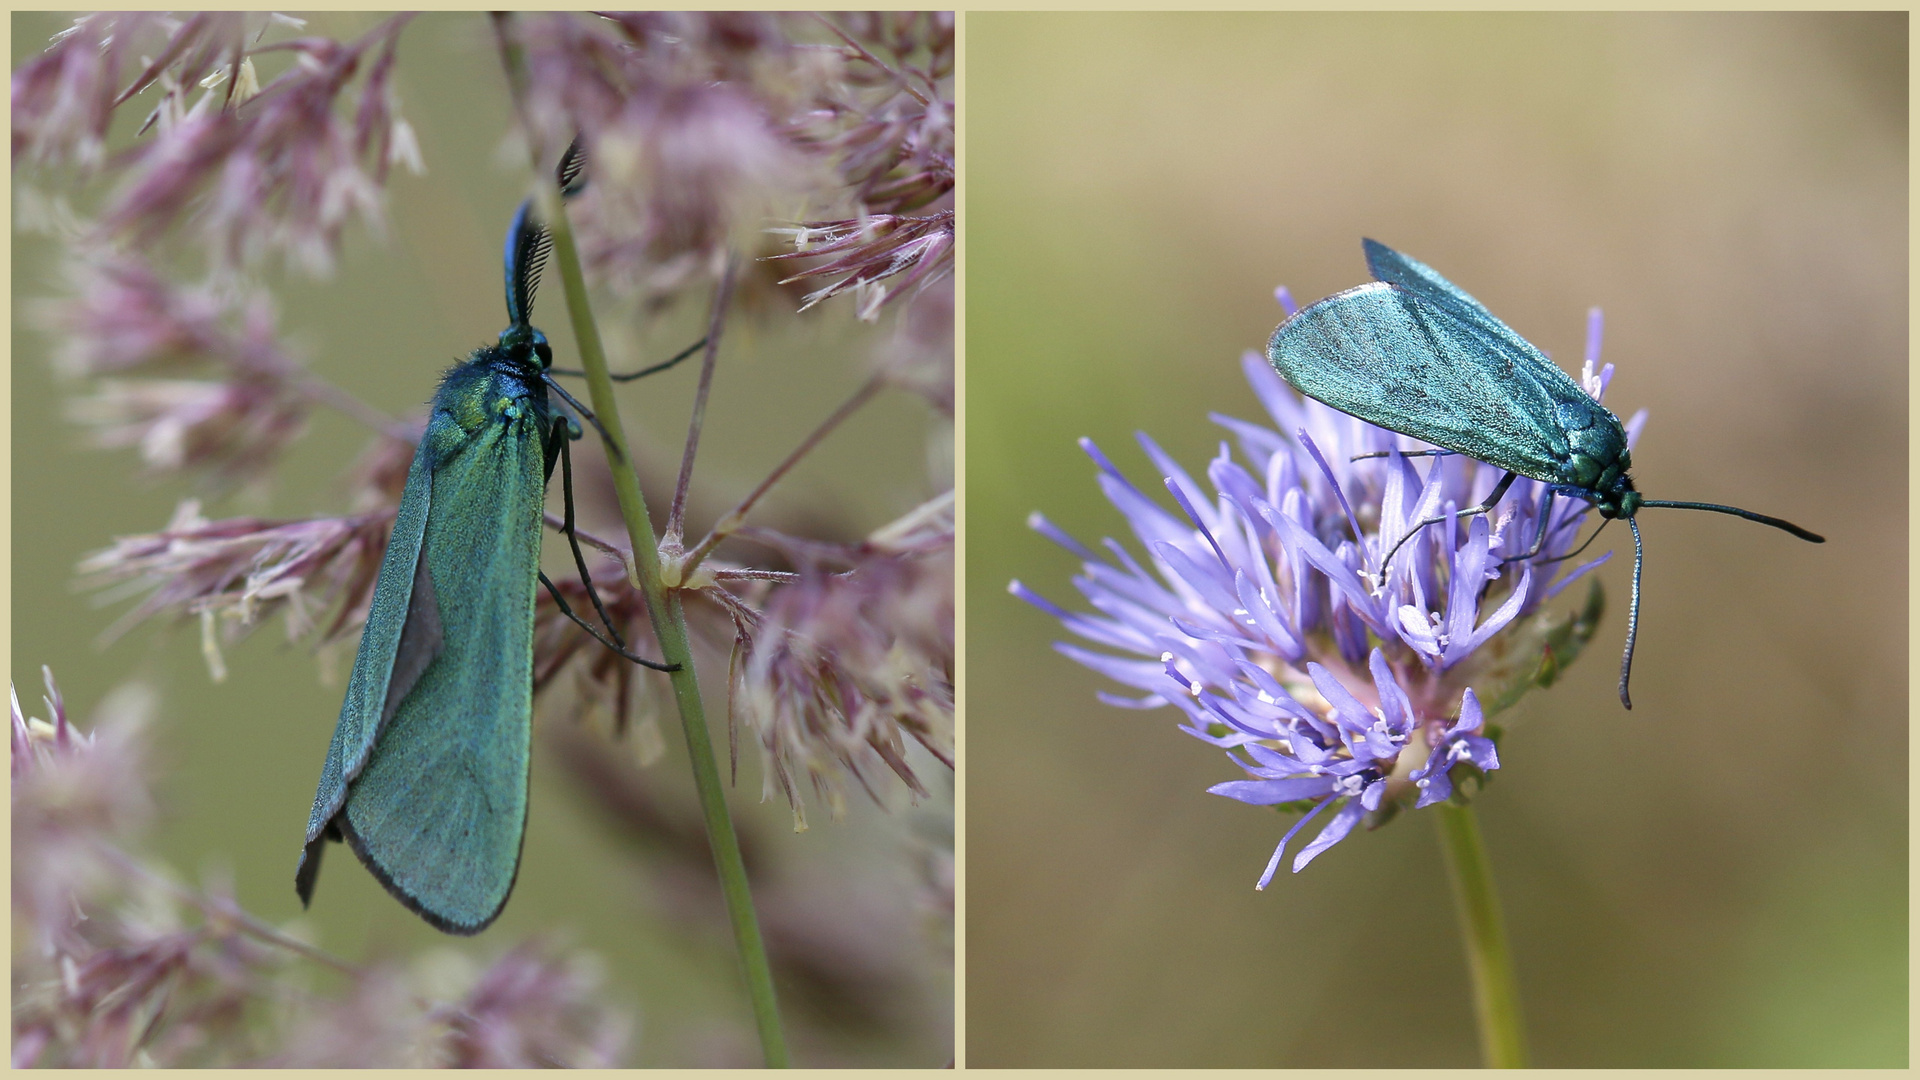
[426, 776]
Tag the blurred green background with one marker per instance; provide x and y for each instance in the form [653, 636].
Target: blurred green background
[1718, 878]
[240, 759]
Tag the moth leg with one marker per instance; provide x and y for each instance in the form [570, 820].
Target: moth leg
[1402, 453]
[573, 541]
[564, 428]
[547, 377]
[645, 371]
[1540, 535]
[1492, 500]
[1576, 551]
[597, 635]
[1540, 538]
[563, 432]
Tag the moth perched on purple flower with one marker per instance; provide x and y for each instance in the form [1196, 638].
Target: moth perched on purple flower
[1412, 352]
[1266, 610]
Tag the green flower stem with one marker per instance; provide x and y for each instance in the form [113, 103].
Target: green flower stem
[670, 626]
[669, 618]
[1496, 994]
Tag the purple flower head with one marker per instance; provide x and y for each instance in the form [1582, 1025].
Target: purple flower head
[1266, 611]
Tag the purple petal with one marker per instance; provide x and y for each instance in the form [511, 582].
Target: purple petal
[1417, 630]
[1150, 524]
[1395, 706]
[1316, 553]
[1151, 701]
[1272, 792]
[1463, 593]
[1141, 674]
[1207, 579]
[1257, 442]
[1434, 785]
[1347, 709]
[1266, 621]
[1170, 471]
[1274, 862]
[1336, 831]
[1333, 481]
[1137, 588]
[1554, 589]
[1199, 523]
[1495, 622]
[1038, 523]
[1218, 637]
[1371, 796]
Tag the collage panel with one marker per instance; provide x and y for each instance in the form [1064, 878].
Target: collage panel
[1262, 764]
[400, 679]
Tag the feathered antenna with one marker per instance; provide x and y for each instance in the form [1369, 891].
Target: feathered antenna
[529, 242]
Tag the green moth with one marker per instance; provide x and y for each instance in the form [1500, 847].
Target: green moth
[426, 777]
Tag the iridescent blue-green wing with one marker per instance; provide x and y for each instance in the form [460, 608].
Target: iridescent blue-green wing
[1388, 265]
[440, 808]
[1425, 283]
[401, 638]
[1382, 353]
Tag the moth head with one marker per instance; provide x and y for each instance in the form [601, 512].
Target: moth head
[527, 345]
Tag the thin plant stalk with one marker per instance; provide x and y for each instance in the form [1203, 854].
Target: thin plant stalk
[864, 54]
[670, 626]
[722, 299]
[732, 519]
[326, 393]
[669, 617]
[1496, 994]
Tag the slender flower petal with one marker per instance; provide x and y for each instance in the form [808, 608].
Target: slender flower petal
[63, 99]
[688, 147]
[531, 1009]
